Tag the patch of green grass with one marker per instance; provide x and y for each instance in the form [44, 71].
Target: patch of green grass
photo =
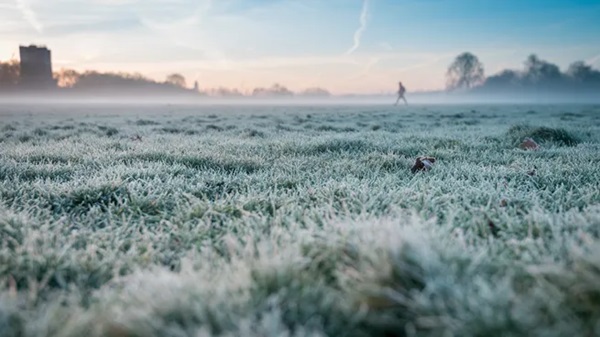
[28, 173]
[199, 162]
[53, 159]
[83, 199]
[336, 145]
[559, 136]
[214, 127]
[24, 138]
[9, 128]
[171, 130]
[252, 133]
[333, 128]
[39, 132]
[108, 130]
[143, 122]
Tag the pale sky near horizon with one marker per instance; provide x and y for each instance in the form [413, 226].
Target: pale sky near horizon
[346, 46]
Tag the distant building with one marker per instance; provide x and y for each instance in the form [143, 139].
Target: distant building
[196, 88]
[36, 67]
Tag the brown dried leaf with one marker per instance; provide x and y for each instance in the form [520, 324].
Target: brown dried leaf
[423, 164]
[529, 144]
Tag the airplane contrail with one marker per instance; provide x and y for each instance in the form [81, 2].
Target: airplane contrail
[29, 15]
[361, 28]
[593, 60]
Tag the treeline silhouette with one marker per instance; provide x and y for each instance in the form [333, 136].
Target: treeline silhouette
[466, 73]
[123, 83]
[73, 82]
[537, 76]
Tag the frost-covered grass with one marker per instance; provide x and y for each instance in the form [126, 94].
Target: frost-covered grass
[298, 221]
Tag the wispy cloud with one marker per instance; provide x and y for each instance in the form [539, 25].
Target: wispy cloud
[372, 62]
[386, 46]
[594, 60]
[29, 15]
[361, 28]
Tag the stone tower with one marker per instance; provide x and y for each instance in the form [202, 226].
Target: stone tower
[36, 67]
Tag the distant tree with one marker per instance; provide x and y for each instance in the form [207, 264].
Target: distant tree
[539, 77]
[120, 83]
[224, 92]
[276, 90]
[465, 72]
[10, 72]
[537, 70]
[177, 80]
[279, 90]
[582, 72]
[260, 92]
[504, 80]
[66, 78]
[315, 92]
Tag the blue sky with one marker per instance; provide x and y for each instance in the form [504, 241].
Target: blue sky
[346, 46]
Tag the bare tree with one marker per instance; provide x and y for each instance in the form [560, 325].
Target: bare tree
[9, 73]
[177, 80]
[465, 72]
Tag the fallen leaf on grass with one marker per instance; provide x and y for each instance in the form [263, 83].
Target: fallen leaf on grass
[423, 164]
[529, 144]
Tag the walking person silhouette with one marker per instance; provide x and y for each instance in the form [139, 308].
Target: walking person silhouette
[401, 92]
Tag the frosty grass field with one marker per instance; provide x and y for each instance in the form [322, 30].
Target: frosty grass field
[299, 221]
